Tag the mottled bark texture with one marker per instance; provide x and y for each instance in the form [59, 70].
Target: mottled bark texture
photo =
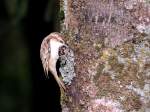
[111, 43]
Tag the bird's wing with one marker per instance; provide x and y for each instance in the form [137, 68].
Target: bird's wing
[45, 55]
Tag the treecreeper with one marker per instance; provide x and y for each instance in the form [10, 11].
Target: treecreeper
[53, 48]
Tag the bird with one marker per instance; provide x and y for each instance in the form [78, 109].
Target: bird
[49, 54]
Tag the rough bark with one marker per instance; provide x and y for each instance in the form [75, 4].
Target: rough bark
[111, 43]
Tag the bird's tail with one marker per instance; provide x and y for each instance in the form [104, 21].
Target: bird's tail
[60, 83]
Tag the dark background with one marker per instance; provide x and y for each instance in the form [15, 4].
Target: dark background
[23, 86]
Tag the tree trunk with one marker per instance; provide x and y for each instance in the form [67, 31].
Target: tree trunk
[111, 43]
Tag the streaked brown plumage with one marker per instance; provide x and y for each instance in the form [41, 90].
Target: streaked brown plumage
[49, 55]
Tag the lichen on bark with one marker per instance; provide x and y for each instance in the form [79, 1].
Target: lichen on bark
[67, 66]
[111, 42]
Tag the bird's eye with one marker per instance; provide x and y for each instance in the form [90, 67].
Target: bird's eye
[61, 41]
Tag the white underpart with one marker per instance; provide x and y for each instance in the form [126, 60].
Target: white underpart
[54, 46]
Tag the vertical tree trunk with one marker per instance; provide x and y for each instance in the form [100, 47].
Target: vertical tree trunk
[110, 40]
